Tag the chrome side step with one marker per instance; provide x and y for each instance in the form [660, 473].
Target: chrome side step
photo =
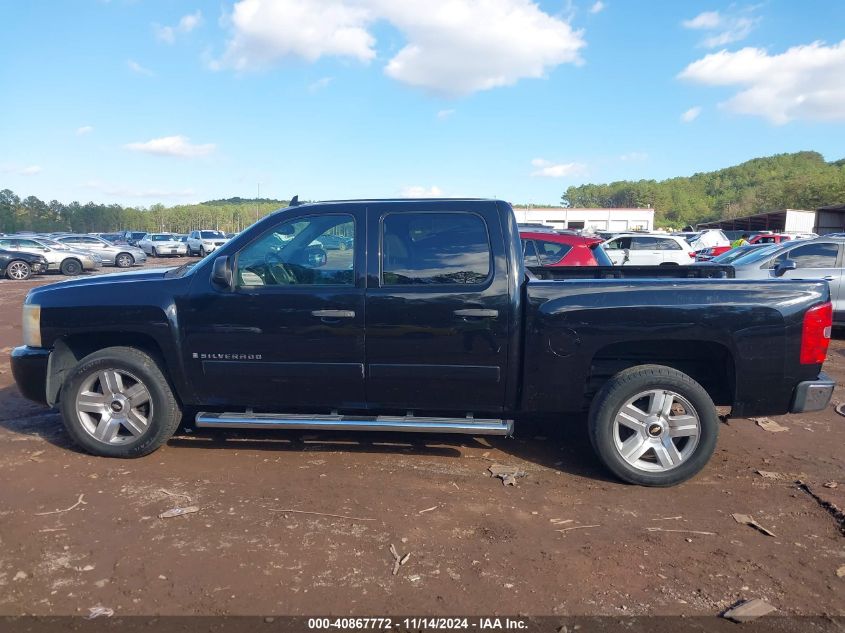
[335, 422]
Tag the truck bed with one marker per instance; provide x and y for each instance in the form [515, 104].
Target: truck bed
[553, 273]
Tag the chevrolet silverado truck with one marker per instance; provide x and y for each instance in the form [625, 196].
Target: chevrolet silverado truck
[428, 321]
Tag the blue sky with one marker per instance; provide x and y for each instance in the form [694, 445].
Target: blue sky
[141, 101]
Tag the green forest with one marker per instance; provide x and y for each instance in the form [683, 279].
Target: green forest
[802, 180]
[33, 214]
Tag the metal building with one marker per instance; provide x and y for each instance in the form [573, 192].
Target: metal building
[598, 219]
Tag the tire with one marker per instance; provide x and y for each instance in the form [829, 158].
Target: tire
[18, 270]
[124, 260]
[154, 252]
[115, 377]
[71, 267]
[342, 246]
[669, 264]
[202, 251]
[626, 417]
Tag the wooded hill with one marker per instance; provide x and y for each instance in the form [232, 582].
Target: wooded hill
[795, 181]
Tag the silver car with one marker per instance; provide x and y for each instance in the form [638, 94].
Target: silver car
[163, 245]
[59, 257]
[120, 255]
[821, 258]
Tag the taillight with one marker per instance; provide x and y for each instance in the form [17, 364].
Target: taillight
[692, 254]
[815, 335]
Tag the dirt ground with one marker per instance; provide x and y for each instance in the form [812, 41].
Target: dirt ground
[567, 540]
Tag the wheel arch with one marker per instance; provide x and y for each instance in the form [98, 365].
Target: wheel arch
[709, 363]
[68, 351]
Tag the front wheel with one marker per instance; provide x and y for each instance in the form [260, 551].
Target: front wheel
[124, 260]
[19, 270]
[653, 425]
[117, 403]
[71, 267]
[154, 252]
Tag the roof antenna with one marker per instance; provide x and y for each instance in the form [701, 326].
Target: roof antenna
[294, 201]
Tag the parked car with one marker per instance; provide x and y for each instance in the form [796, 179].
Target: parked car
[739, 252]
[203, 242]
[779, 238]
[430, 313]
[335, 242]
[132, 237]
[820, 259]
[60, 258]
[114, 238]
[120, 255]
[649, 250]
[553, 249]
[19, 266]
[706, 254]
[163, 244]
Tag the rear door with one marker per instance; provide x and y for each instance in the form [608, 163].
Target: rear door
[817, 260]
[645, 251]
[437, 307]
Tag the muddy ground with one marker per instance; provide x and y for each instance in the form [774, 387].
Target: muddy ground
[568, 539]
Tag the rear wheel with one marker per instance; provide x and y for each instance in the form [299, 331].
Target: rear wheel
[653, 425]
[71, 267]
[124, 260]
[18, 270]
[117, 403]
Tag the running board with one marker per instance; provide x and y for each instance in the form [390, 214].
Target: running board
[468, 425]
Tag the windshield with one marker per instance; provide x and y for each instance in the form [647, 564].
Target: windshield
[211, 235]
[757, 255]
[162, 238]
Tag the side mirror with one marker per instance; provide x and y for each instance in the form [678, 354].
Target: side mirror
[784, 266]
[221, 273]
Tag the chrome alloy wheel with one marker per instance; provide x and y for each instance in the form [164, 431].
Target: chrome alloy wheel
[114, 406]
[18, 270]
[656, 430]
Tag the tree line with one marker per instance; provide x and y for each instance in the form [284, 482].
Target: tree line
[33, 214]
[801, 180]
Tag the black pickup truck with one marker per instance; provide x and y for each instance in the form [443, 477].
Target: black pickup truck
[426, 321]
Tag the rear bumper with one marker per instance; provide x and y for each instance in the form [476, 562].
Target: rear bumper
[812, 395]
[29, 368]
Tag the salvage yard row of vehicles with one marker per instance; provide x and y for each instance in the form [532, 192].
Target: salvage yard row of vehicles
[428, 320]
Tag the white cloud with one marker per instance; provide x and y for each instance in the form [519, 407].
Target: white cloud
[320, 84]
[457, 47]
[266, 31]
[129, 192]
[135, 67]
[634, 157]
[691, 115]
[417, 191]
[186, 24]
[804, 82]
[723, 29]
[548, 169]
[85, 129]
[179, 146]
[453, 47]
[444, 114]
[30, 170]
[598, 7]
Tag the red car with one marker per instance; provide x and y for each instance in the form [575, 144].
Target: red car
[556, 249]
[706, 254]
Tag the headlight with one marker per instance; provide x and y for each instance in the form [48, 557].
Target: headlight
[32, 325]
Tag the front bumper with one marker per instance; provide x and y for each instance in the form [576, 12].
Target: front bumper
[39, 267]
[812, 395]
[29, 368]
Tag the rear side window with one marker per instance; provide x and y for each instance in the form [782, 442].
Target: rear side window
[529, 251]
[434, 248]
[812, 256]
[644, 244]
[551, 253]
[665, 244]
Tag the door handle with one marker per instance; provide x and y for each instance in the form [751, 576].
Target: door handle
[333, 314]
[477, 313]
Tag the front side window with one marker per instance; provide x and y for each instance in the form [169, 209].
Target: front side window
[292, 254]
[434, 248]
[619, 245]
[811, 256]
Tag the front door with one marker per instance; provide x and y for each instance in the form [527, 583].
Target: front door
[437, 308]
[290, 334]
